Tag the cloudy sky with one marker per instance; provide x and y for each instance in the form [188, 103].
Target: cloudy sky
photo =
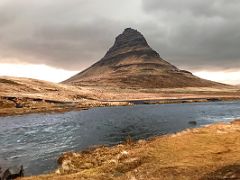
[54, 39]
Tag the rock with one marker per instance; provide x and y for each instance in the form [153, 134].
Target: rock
[11, 173]
[18, 105]
[122, 155]
[58, 171]
[193, 123]
[141, 141]
[66, 165]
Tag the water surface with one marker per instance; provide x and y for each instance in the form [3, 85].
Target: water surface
[36, 140]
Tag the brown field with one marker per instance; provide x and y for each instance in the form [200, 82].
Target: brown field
[23, 95]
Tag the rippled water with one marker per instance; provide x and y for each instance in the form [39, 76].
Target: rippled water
[36, 140]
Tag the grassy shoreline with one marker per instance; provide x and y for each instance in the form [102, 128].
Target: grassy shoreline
[61, 107]
[209, 152]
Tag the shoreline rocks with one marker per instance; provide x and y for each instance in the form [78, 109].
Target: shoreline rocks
[11, 172]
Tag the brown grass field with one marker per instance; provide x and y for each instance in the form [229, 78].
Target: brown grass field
[207, 153]
[23, 95]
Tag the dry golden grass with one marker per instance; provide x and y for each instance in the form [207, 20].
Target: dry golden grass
[40, 96]
[24, 95]
[212, 152]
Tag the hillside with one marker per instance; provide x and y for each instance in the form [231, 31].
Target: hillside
[131, 62]
[25, 95]
[15, 86]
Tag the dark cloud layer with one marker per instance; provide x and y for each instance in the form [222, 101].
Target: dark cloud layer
[61, 33]
[199, 34]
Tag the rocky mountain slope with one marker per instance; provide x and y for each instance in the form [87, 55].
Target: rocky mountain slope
[131, 62]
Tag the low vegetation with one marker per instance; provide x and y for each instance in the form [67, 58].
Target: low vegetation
[211, 152]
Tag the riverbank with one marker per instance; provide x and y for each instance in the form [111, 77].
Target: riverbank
[210, 152]
[24, 105]
[10, 106]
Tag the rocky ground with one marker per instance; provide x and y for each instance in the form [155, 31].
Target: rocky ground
[210, 152]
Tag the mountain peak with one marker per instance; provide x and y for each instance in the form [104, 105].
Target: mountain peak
[132, 63]
[129, 40]
[129, 32]
[130, 35]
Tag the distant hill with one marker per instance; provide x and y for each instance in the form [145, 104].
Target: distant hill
[131, 62]
[26, 95]
[33, 88]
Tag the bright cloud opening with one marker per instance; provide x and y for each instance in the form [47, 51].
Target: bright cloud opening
[41, 72]
[232, 77]
[44, 72]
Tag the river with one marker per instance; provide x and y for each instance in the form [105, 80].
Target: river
[36, 140]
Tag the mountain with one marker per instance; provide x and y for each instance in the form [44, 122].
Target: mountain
[131, 62]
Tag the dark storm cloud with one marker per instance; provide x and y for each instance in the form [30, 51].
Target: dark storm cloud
[197, 34]
[61, 34]
[73, 34]
[70, 47]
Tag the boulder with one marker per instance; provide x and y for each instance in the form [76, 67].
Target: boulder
[11, 172]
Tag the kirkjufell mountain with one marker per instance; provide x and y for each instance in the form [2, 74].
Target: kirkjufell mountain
[131, 62]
